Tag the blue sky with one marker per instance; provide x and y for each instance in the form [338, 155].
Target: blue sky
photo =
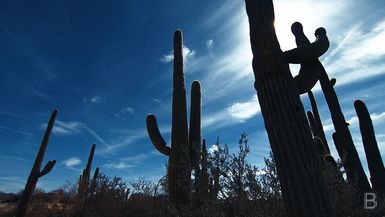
[106, 65]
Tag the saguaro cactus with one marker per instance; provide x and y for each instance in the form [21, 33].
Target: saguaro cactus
[185, 143]
[373, 156]
[299, 170]
[85, 177]
[352, 163]
[36, 173]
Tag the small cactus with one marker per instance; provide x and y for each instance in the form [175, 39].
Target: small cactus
[185, 142]
[36, 171]
[373, 156]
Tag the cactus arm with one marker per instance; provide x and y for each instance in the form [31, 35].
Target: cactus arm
[310, 66]
[373, 156]
[48, 167]
[195, 123]
[155, 137]
[309, 52]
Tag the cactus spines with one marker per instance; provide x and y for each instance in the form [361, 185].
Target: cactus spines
[36, 171]
[352, 163]
[185, 141]
[307, 54]
[303, 187]
[373, 156]
[317, 119]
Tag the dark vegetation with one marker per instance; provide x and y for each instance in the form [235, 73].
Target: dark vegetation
[300, 177]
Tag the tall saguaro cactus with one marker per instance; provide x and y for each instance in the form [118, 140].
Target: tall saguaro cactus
[373, 156]
[36, 173]
[352, 163]
[185, 142]
[299, 170]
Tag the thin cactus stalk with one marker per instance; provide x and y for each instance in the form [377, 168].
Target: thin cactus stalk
[352, 163]
[36, 171]
[373, 156]
[185, 142]
[303, 187]
[318, 122]
[313, 126]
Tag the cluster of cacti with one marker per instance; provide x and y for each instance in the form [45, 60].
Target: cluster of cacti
[36, 171]
[185, 141]
[85, 187]
[301, 178]
[342, 137]
[373, 156]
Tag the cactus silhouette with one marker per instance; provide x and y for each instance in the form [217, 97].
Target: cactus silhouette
[307, 54]
[303, 187]
[351, 162]
[317, 121]
[185, 142]
[36, 173]
[85, 177]
[373, 156]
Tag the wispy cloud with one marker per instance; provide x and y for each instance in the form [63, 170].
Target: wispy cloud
[12, 114]
[237, 112]
[126, 110]
[75, 127]
[210, 43]
[188, 55]
[128, 162]
[11, 183]
[244, 110]
[358, 55]
[93, 99]
[16, 131]
[73, 161]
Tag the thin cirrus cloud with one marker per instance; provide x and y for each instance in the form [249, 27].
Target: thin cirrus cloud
[359, 54]
[71, 162]
[126, 110]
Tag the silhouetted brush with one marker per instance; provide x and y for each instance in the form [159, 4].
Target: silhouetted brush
[36, 173]
[373, 156]
[185, 142]
[299, 170]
